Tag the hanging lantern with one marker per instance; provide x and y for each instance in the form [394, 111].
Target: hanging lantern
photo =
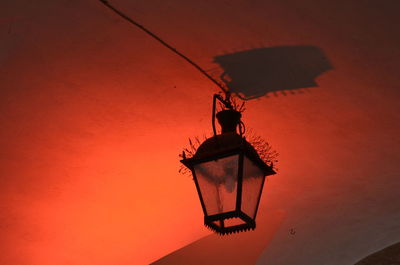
[229, 175]
[228, 172]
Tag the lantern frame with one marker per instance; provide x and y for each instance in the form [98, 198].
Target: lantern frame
[227, 144]
[244, 149]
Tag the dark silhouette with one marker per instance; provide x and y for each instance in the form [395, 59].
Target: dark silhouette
[257, 72]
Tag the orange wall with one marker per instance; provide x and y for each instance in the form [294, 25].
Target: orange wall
[94, 114]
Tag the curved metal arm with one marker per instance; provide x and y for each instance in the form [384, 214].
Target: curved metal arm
[242, 128]
[227, 104]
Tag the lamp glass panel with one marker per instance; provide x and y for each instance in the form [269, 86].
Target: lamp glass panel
[251, 189]
[217, 181]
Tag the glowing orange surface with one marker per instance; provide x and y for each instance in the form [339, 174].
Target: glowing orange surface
[94, 115]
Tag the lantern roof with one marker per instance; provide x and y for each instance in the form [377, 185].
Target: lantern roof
[226, 144]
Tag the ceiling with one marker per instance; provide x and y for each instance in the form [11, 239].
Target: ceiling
[94, 113]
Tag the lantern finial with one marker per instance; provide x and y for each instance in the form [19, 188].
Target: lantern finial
[229, 120]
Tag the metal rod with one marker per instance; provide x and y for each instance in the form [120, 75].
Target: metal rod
[227, 104]
[213, 115]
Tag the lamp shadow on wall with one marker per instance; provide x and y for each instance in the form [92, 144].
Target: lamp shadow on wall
[258, 72]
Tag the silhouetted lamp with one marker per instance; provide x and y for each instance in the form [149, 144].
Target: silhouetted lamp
[229, 175]
[228, 172]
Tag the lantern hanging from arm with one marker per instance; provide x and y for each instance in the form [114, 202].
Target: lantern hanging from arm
[229, 175]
